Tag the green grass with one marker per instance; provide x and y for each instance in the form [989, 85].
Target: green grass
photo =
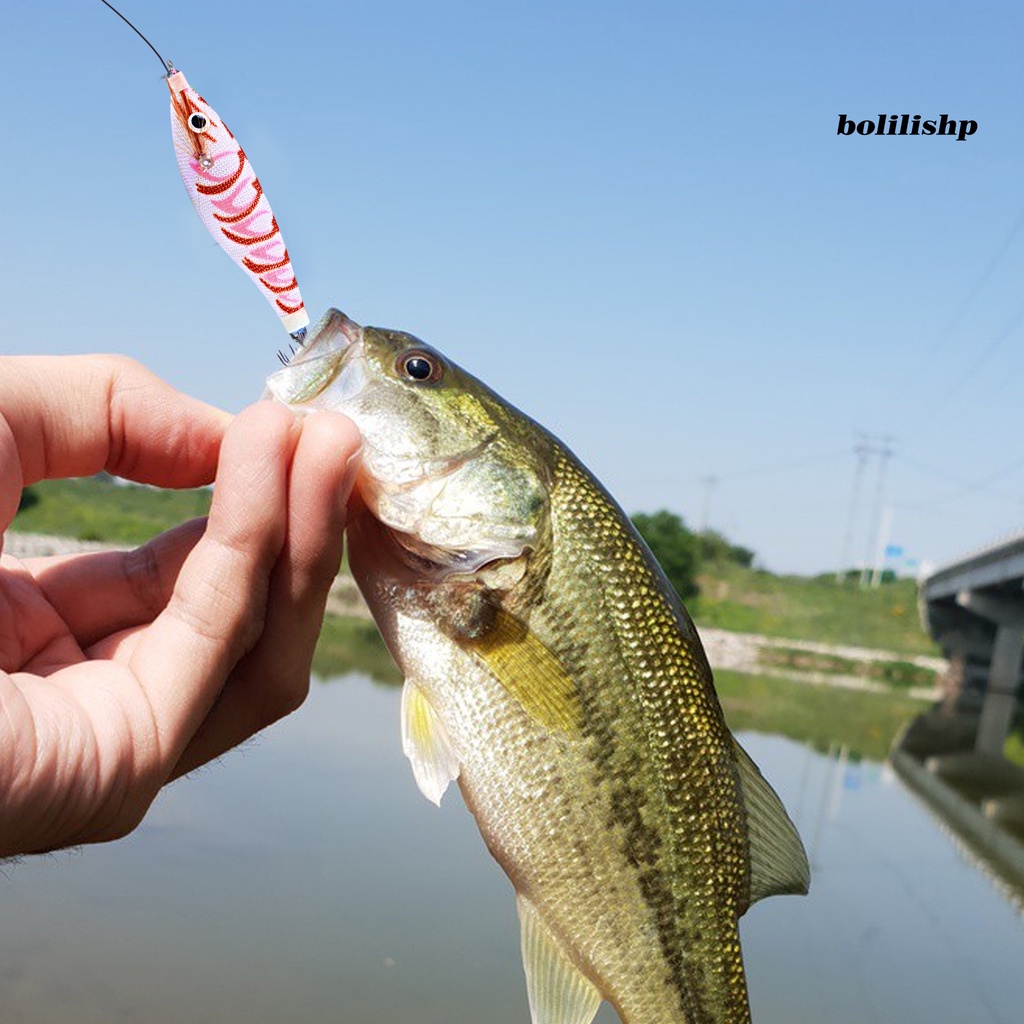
[94, 508]
[353, 645]
[799, 608]
[900, 675]
[732, 596]
[817, 715]
[1013, 750]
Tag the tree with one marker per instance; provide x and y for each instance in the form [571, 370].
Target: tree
[674, 546]
[714, 547]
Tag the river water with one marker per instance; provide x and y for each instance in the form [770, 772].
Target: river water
[304, 879]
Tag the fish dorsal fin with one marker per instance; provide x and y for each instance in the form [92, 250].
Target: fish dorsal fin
[558, 991]
[778, 863]
[521, 662]
[425, 742]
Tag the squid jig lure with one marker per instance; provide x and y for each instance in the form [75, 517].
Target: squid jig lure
[228, 197]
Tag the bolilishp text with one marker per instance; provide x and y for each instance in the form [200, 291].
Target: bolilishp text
[904, 124]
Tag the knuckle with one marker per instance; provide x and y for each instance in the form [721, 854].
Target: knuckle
[224, 610]
[142, 573]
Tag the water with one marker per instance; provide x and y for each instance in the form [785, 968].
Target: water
[305, 879]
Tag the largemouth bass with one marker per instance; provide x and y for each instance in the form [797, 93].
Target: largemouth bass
[552, 670]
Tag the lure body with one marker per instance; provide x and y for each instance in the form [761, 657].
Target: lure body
[230, 202]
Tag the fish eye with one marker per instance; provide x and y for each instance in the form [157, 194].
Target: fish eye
[419, 366]
[197, 122]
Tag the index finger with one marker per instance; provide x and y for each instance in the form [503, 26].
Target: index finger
[216, 611]
[77, 415]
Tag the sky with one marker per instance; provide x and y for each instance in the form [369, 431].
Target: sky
[634, 220]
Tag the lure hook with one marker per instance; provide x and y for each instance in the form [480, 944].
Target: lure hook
[228, 197]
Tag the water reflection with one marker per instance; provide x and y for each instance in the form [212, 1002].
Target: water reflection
[306, 879]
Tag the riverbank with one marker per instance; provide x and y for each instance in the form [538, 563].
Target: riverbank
[845, 666]
[344, 600]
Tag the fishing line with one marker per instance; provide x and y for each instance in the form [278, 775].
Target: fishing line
[166, 64]
[240, 221]
[785, 467]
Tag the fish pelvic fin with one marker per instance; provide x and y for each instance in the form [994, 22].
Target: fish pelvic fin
[522, 663]
[426, 743]
[778, 862]
[558, 991]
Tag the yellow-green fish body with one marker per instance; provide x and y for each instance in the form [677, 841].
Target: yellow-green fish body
[552, 670]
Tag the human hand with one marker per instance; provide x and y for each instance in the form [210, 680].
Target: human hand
[121, 670]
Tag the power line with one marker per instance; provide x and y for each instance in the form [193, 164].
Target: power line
[943, 401]
[964, 487]
[980, 281]
[784, 467]
[943, 336]
[712, 480]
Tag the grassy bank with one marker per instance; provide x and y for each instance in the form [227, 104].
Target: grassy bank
[900, 675]
[800, 608]
[732, 597]
[95, 508]
[817, 715]
[353, 645]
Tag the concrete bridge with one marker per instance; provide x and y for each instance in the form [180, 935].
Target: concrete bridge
[974, 608]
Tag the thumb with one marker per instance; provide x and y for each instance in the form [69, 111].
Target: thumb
[216, 612]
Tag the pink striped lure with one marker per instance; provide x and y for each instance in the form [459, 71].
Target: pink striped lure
[230, 202]
[228, 197]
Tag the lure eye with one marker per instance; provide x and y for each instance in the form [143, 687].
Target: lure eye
[197, 123]
[420, 367]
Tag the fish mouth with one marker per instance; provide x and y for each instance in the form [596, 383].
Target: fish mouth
[317, 361]
[333, 333]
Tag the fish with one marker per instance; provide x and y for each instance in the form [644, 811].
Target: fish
[554, 674]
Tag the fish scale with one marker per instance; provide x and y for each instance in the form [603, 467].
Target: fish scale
[552, 670]
[682, 735]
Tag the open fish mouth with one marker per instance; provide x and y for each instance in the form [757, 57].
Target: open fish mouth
[317, 362]
[333, 333]
[329, 370]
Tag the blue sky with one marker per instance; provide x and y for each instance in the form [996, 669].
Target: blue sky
[634, 220]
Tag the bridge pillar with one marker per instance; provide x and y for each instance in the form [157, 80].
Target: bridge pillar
[1004, 669]
[1001, 694]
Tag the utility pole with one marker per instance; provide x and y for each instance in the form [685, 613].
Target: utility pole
[884, 531]
[874, 552]
[861, 449]
[710, 483]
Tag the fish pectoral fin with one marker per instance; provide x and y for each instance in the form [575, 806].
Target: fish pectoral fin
[426, 743]
[778, 862]
[527, 668]
[558, 991]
